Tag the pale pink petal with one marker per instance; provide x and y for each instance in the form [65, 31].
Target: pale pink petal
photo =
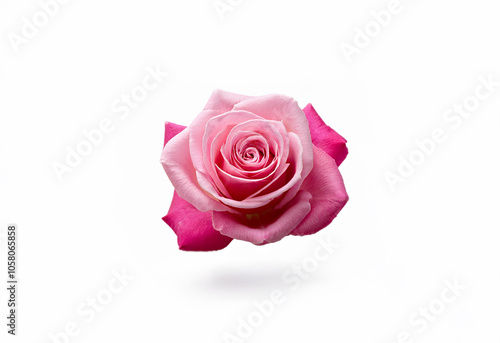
[296, 159]
[193, 228]
[197, 130]
[222, 101]
[179, 168]
[243, 188]
[259, 229]
[324, 137]
[233, 205]
[328, 194]
[171, 130]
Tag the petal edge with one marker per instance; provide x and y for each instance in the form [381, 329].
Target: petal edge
[324, 137]
[193, 228]
[328, 194]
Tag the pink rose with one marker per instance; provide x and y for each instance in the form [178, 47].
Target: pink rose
[252, 168]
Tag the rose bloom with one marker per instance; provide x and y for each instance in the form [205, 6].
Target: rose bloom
[252, 168]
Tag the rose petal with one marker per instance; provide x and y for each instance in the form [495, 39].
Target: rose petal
[171, 130]
[197, 130]
[245, 188]
[296, 158]
[324, 137]
[179, 168]
[272, 228]
[193, 228]
[328, 194]
[222, 101]
[232, 205]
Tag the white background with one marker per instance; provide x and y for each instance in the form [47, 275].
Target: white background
[396, 247]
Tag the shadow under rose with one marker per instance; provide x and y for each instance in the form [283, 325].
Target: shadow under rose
[237, 280]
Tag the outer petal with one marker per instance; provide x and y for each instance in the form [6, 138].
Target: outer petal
[272, 228]
[222, 101]
[193, 228]
[324, 137]
[179, 168]
[328, 194]
[197, 130]
[171, 130]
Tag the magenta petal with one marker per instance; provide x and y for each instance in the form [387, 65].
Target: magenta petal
[193, 228]
[328, 194]
[324, 137]
[171, 130]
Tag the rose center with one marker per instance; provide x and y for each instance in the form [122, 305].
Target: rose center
[252, 154]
